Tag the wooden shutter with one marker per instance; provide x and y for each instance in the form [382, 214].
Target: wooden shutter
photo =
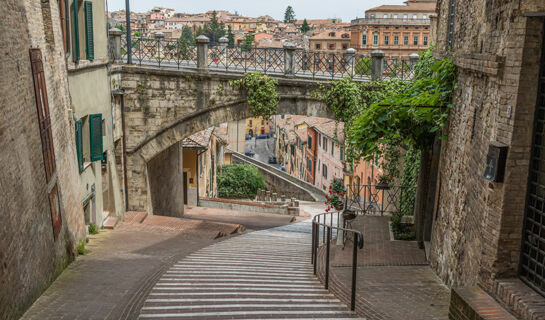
[76, 31]
[95, 127]
[89, 40]
[42, 105]
[79, 143]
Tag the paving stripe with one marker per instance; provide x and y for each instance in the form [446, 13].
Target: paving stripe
[263, 274]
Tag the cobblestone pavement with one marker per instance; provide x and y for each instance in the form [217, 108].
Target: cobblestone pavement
[260, 275]
[112, 281]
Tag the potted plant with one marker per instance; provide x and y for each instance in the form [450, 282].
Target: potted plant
[383, 182]
[335, 198]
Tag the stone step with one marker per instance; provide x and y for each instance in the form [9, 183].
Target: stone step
[473, 303]
[110, 222]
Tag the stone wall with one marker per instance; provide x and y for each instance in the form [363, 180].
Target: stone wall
[163, 106]
[478, 225]
[30, 256]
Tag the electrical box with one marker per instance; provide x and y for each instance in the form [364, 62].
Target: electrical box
[495, 162]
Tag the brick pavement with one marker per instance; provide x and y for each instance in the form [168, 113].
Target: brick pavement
[112, 281]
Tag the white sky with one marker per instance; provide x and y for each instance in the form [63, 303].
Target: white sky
[310, 9]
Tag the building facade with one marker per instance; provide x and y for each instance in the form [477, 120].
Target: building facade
[330, 41]
[41, 213]
[487, 227]
[398, 30]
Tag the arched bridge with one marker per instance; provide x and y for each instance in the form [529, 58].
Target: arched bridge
[164, 102]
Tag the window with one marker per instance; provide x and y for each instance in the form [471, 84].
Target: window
[309, 164]
[450, 29]
[385, 16]
[415, 40]
[331, 46]
[282, 116]
[396, 40]
[345, 46]
[319, 140]
[89, 37]
[406, 40]
[332, 148]
[372, 16]
[363, 39]
[324, 170]
[95, 134]
[415, 16]
[79, 143]
[425, 42]
[65, 24]
[310, 142]
[325, 144]
[319, 164]
[395, 16]
[386, 40]
[425, 17]
[318, 46]
[405, 17]
[375, 39]
[341, 154]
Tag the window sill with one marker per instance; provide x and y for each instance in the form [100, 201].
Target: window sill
[519, 298]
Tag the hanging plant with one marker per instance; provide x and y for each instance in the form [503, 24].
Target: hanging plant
[261, 91]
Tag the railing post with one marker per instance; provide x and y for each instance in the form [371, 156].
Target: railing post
[377, 63]
[159, 37]
[223, 46]
[202, 52]
[312, 247]
[354, 271]
[289, 59]
[413, 59]
[328, 246]
[317, 233]
[350, 63]
[115, 44]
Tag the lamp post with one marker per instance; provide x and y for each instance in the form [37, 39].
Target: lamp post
[129, 42]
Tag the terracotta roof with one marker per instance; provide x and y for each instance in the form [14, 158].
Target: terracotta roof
[221, 134]
[409, 7]
[199, 140]
[327, 128]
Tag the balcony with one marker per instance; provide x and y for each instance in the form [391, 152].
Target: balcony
[389, 20]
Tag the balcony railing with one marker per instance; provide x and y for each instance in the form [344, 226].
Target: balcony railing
[287, 61]
[398, 20]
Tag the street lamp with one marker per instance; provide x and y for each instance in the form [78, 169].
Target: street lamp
[129, 42]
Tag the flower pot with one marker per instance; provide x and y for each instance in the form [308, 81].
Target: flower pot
[382, 186]
[349, 215]
[339, 207]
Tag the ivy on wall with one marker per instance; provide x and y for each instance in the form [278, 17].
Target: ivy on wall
[261, 91]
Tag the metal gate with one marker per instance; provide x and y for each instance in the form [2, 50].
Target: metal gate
[532, 262]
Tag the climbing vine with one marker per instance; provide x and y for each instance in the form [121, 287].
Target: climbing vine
[261, 92]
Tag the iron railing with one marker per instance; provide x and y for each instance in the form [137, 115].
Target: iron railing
[320, 221]
[313, 64]
[377, 199]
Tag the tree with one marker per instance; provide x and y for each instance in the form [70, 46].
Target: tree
[214, 29]
[186, 40]
[120, 27]
[305, 27]
[248, 41]
[239, 181]
[289, 15]
[230, 37]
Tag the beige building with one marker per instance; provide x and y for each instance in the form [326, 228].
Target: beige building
[330, 41]
[86, 50]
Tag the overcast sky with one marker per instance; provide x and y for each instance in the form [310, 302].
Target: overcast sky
[310, 9]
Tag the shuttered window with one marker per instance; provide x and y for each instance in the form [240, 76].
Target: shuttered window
[79, 143]
[42, 105]
[89, 38]
[95, 134]
[76, 55]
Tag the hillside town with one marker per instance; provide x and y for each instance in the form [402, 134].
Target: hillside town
[183, 163]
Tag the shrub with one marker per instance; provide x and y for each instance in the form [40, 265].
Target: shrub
[239, 181]
[93, 229]
[81, 248]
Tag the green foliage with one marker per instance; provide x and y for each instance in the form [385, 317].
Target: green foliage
[411, 167]
[120, 27]
[214, 29]
[247, 43]
[261, 93]
[230, 37]
[410, 117]
[336, 194]
[81, 248]
[289, 15]
[363, 66]
[186, 41]
[93, 229]
[239, 181]
[305, 27]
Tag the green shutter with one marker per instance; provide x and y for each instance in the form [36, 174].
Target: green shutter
[89, 40]
[76, 31]
[95, 128]
[79, 144]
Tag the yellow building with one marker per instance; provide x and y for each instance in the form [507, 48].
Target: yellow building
[256, 126]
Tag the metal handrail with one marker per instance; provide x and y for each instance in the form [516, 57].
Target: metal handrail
[328, 229]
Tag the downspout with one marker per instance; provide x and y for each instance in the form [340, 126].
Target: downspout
[124, 153]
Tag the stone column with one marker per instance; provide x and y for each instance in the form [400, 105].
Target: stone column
[115, 44]
[350, 63]
[160, 37]
[433, 29]
[413, 59]
[289, 59]
[377, 63]
[202, 52]
[223, 48]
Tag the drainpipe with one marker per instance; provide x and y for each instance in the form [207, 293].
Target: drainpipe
[124, 153]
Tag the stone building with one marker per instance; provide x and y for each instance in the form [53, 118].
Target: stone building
[398, 30]
[257, 126]
[86, 52]
[330, 41]
[487, 232]
[41, 216]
